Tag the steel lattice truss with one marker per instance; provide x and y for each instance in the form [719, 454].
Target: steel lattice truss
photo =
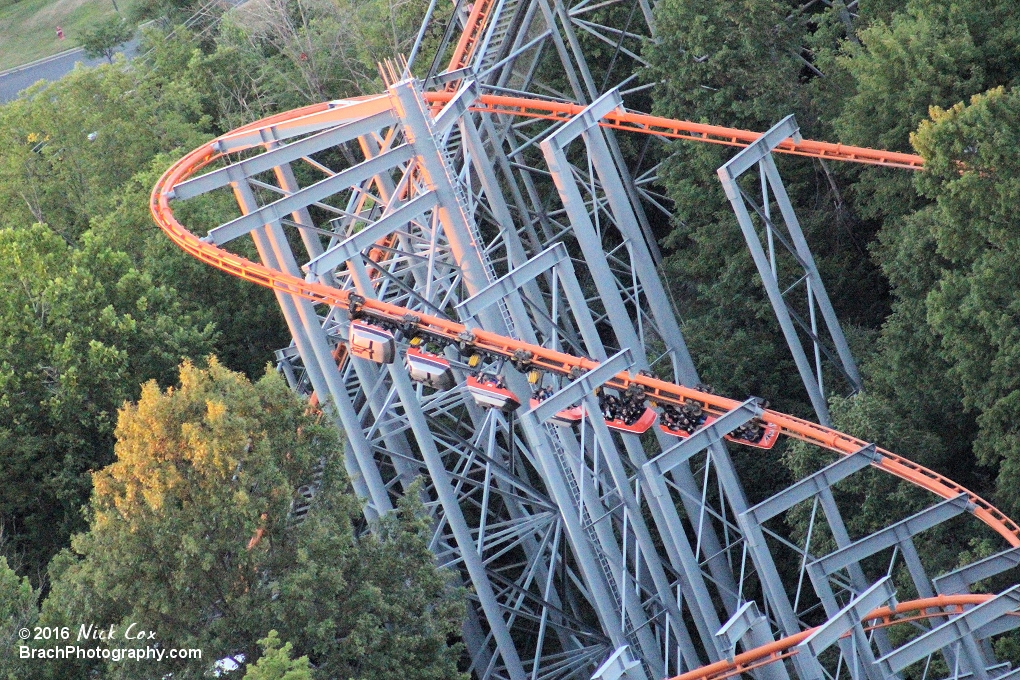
[437, 210]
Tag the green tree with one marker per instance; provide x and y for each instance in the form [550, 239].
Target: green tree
[190, 535]
[67, 147]
[18, 610]
[728, 63]
[104, 37]
[973, 175]
[925, 53]
[307, 51]
[276, 663]
[248, 321]
[80, 329]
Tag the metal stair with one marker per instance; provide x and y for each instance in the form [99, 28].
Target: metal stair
[458, 190]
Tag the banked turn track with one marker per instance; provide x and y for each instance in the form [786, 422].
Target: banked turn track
[404, 251]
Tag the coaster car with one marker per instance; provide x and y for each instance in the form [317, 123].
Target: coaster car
[626, 414]
[429, 369]
[638, 425]
[489, 391]
[681, 422]
[371, 342]
[755, 433]
[680, 431]
[565, 418]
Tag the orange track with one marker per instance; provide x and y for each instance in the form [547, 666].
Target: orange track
[469, 38]
[545, 359]
[629, 121]
[781, 649]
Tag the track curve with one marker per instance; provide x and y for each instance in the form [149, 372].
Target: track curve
[882, 617]
[543, 358]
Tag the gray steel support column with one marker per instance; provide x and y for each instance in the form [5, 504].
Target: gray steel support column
[362, 282]
[666, 518]
[678, 549]
[760, 152]
[314, 350]
[444, 488]
[417, 129]
[590, 93]
[750, 628]
[457, 227]
[515, 248]
[653, 474]
[888, 537]
[457, 223]
[898, 534]
[776, 298]
[285, 175]
[582, 390]
[585, 125]
[399, 444]
[768, 574]
[848, 619]
[818, 485]
[601, 596]
[960, 580]
[313, 245]
[453, 213]
[579, 390]
[285, 178]
[368, 374]
[590, 245]
[817, 287]
[649, 646]
[287, 181]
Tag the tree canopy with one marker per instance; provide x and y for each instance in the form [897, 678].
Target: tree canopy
[201, 470]
[81, 329]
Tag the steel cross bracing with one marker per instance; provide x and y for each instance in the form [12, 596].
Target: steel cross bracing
[805, 272]
[577, 543]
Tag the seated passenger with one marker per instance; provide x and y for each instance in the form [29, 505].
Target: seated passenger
[610, 408]
[695, 415]
[749, 432]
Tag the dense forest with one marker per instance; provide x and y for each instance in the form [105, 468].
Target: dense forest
[112, 406]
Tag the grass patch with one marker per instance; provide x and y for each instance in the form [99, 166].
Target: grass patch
[28, 28]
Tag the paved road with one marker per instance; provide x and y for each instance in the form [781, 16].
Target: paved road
[51, 68]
